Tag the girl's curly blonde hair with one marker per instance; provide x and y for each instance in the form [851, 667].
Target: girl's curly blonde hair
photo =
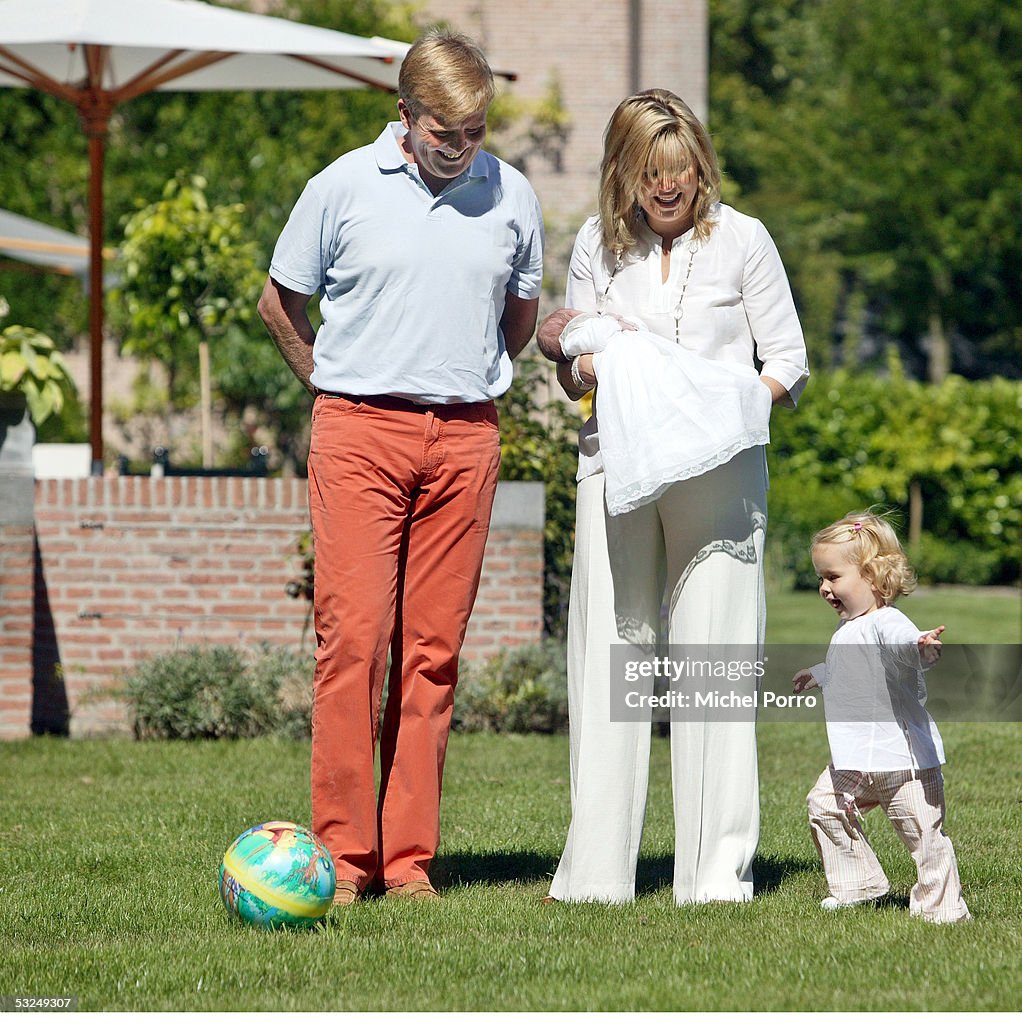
[874, 547]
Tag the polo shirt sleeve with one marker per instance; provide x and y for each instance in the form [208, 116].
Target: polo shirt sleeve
[773, 320]
[300, 258]
[526, 280]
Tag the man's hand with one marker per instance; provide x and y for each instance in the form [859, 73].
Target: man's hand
[285, 314]
[548, 337]
[929, 646]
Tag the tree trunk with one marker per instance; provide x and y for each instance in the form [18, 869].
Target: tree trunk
[915, 512]
[939, 364]
[205, 402]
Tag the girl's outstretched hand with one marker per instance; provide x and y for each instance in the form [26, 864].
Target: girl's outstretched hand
[929, 646]
[803, 680]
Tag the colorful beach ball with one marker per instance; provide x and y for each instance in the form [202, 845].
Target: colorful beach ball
[277, 874]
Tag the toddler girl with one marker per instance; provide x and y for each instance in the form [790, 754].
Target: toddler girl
[885, 748]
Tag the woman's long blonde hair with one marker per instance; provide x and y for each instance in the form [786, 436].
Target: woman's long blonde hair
[656, 131]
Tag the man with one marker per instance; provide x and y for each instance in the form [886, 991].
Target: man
[427, 254]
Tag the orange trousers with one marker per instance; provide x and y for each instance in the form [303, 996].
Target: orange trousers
[400, 498]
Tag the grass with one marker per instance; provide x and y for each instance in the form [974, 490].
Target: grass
[108, 892]
[972, 615]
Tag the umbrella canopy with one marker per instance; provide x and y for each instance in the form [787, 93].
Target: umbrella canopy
[99, 53]
[32, 241]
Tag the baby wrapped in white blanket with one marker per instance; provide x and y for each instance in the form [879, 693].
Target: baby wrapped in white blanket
[665, 413]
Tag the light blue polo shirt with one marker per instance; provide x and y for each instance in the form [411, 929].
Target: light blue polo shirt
[412, 285]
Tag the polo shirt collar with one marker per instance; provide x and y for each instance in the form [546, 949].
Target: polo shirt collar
[389, 156]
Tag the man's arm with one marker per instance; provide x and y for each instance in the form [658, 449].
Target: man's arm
[286, 316]
[518, 322]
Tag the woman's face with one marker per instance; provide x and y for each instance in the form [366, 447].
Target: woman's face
[668, 199]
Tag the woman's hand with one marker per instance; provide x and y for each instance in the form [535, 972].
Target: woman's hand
[778, 391]
[548, 337]
[585, 371]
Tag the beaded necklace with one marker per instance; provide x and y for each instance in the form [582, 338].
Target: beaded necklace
[678, 313]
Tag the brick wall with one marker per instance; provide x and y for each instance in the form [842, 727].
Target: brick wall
[121, 568]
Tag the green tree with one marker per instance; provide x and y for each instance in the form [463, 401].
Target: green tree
[878, 141]
[947, 456]
[257, 148]
[188, 275]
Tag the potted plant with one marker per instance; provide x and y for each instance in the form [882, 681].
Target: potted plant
[34, 384]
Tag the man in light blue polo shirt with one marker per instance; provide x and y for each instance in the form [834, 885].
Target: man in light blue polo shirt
[426, 253]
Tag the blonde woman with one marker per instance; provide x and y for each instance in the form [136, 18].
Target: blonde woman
[665, 250]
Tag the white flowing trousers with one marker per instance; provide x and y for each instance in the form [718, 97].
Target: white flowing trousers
[703, 541]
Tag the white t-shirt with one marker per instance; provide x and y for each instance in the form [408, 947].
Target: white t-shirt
[874, 696]
[412, 285]
[737, 304]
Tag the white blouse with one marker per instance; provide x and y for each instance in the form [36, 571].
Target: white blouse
[737, 304]
[874, 696]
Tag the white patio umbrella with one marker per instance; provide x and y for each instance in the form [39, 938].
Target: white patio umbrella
[99, 53]
[42, 245]
[31, 241]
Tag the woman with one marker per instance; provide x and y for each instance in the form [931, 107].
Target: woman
[664, 249]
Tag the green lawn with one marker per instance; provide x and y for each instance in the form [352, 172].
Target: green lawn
[972, 615]
[108, 892]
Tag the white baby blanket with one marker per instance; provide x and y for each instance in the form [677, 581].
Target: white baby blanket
[665, 413]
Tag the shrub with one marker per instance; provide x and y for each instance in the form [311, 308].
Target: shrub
[226, 693]
[946, 456]
[521, 690]
[219, 692]
[288, 674]
[940, 561]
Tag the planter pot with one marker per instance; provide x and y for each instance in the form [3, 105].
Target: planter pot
[17, 435]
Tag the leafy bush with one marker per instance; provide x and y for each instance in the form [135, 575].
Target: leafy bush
[226, 693]
[219, 692]
[287, 674]
[940, 561]
[950, 453]
[521, 690]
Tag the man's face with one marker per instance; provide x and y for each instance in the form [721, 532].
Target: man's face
[442, 151]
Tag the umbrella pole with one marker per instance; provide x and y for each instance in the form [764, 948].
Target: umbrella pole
[96, 130]
[97, 145]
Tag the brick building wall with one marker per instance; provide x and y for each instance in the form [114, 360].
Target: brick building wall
[598, 53]
[120, 568]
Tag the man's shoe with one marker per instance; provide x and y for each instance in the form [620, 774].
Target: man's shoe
[420, 889]
[346, 893]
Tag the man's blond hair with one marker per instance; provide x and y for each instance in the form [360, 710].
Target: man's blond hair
[445, 74]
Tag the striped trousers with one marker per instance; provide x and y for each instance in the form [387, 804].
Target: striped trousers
[914, 803]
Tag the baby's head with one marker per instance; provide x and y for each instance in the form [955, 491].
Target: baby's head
[860, 564]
